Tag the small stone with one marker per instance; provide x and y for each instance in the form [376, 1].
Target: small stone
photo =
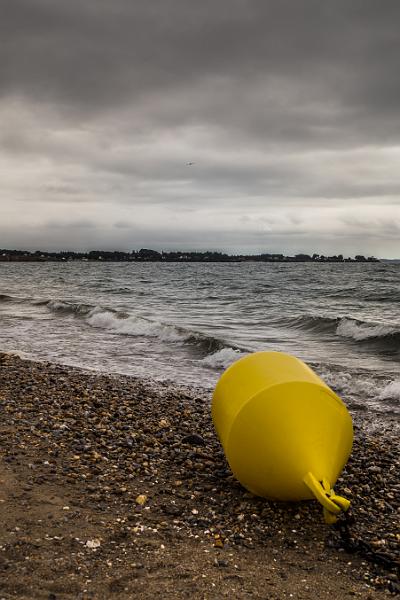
[374, 469]
[218, 562]
[141, 499]
[93, 544]
[378, 543]
[194, 440]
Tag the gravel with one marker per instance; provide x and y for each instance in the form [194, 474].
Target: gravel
[114, 486]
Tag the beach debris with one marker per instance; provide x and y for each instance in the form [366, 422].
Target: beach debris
[263, 431]
[141, 499]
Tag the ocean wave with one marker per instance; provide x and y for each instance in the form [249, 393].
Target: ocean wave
[391, 391]
[313, 323]
[60, 306]
[223, 358]
[125, 324]
[356, 330]
[208, 344]
[6, 298]
[349, 384]
[362, 390]
[363, 331]
[134, 326]
[131, 325]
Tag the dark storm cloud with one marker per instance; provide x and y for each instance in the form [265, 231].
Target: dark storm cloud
[285, 107]
[95, 54]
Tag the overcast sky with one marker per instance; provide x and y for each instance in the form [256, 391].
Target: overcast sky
[288, 110]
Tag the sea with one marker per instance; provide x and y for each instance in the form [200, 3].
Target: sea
[187, 322]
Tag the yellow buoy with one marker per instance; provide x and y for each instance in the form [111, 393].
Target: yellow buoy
[285, 433]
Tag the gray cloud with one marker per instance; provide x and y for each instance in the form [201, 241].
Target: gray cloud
[289, 111]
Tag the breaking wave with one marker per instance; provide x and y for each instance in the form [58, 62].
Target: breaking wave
[139, 326]
[381, 335]
[125, 324]
[361, 330]
[362, 389]
[223, 358]
[58, 306]
[391, 391]
[134, 326]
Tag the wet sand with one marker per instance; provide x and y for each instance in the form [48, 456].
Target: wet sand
[115, 487]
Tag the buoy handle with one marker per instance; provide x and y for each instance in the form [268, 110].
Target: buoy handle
[323, 492]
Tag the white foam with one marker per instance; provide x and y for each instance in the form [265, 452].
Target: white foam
[134, 326]
[222, 358]
[362, 389]
[391, 391]
[349, 385]
[362, 331]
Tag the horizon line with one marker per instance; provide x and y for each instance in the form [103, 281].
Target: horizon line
[142, 252]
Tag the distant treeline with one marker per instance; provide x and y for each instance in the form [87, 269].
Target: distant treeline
[146, 255]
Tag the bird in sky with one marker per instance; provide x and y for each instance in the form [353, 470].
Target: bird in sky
[189, 164]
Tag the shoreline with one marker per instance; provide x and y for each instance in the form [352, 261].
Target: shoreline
[115, 486]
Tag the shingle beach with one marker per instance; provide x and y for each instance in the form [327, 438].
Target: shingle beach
[116, 487]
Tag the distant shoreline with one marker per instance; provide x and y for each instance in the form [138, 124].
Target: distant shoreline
[148, 255]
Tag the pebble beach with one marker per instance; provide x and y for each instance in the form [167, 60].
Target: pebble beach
[117, 487]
